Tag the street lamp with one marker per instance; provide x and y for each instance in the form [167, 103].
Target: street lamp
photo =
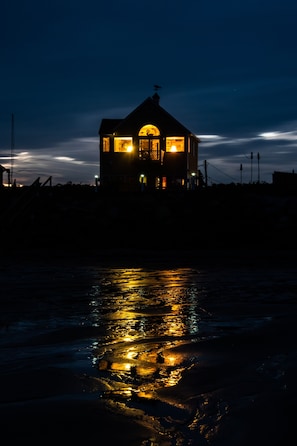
[96, 181]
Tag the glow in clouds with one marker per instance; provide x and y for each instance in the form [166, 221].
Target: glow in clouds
[59, 162]
[68, 159]
[288, 136]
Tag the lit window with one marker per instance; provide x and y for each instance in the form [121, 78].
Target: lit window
[175, 144]
[106, 144]
[149, 130]
[123, 144]
[149, 149]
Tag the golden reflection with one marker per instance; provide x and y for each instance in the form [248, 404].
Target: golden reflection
[147, 395]
[146, 370]
[146, 315]
[120, 366]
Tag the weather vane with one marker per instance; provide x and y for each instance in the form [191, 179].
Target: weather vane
[157, 87]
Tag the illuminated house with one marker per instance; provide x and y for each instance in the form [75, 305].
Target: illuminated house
[149, 149]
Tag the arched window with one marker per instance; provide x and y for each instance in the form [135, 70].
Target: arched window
[149, 130]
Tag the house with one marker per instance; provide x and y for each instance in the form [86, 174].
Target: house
[149, 149]
[2, 170]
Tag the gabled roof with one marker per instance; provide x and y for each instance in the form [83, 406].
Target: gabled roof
[148, 112]
[107, 125]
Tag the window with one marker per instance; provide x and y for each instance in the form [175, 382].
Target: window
[149, 130]
[175, 144]
[149, 143]
[149, 149]
[106, 144]
[123, 144]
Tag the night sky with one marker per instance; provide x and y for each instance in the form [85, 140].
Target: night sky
[228, 72]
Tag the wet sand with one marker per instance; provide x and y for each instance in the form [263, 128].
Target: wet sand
[238, 388]
[234, 403]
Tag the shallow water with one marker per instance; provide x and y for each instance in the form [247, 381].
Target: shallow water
[172, 353]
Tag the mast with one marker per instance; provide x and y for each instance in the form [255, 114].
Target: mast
[11, 150]
[258, 157]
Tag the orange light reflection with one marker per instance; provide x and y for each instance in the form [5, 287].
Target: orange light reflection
[147, 316]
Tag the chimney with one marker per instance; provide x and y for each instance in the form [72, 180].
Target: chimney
[156, 98]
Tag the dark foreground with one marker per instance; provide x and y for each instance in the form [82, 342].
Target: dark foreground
[149, 348]
[83, 219]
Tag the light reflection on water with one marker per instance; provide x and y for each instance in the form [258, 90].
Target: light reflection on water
[153, 321]
[131, 334]
[145, 314]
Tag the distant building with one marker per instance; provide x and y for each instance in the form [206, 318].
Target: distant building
[2, 170]
[149, 149]
[285, 180]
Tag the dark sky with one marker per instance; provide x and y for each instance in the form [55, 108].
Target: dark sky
[228, 72]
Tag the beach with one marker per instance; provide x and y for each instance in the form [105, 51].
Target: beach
[149, 348]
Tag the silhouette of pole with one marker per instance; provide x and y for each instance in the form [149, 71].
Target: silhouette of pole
[205, 172]
[11, 149]
[258, 158]
[240, 173]
[252, 166]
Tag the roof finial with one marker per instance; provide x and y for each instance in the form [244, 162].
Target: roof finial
[155, 96]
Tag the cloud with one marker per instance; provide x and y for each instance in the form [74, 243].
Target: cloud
[279, 136]
[76, 161]
[258, 155]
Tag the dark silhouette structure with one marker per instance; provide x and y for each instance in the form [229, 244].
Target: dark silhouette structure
[285, 180]
[149, 149]
[2, 170]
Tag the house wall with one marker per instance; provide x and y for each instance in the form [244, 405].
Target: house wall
[127, 167]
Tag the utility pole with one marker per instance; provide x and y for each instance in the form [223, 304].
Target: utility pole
[252, 167]
[205, 172]
[11, 149]
[258, 157]
[240, 173]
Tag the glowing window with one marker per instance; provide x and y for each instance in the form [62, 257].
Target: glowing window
[175, 144]
[149, 149]
[149, 130]
[106, 144]
[123, 144]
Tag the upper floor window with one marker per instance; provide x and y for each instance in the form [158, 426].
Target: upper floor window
[149, 130]
[175, 144]
[106, 144]
[123, 144]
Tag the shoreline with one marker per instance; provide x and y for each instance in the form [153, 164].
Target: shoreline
[155, 257]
